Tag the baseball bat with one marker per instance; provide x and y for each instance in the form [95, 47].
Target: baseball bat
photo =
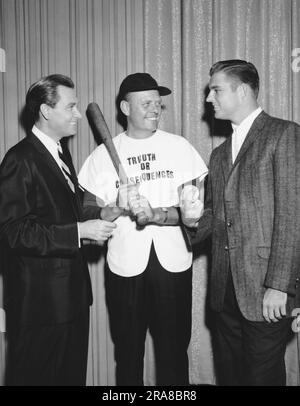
[101, 127]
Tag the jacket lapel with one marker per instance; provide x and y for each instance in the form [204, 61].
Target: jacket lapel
[226, 158]
[253, 133]
[52, 164]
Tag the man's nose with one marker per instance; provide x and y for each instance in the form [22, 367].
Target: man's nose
[209, 98]
[77, 113]
[154, 108]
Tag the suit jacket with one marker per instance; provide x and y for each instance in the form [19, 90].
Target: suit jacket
[252, 210]
[47, 277]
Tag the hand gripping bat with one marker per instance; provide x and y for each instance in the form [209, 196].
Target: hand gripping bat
[100, 125]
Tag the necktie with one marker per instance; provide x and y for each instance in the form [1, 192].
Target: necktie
[65, 168]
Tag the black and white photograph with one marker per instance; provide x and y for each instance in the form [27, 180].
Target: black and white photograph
[149, 196]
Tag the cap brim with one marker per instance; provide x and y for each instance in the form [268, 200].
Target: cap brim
[164, 91]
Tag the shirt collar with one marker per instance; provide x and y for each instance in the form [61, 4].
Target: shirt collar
[245, 125]
[47, 141]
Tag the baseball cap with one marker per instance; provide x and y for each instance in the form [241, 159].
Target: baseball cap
[137, 82]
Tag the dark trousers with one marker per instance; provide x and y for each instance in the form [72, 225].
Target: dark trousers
[157, 299]
[248, 352]
[52, 355]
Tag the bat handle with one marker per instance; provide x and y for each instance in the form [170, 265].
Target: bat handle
[141, 217]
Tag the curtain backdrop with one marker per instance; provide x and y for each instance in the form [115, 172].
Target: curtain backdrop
[99, 42]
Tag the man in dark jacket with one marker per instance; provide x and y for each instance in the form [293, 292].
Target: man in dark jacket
[42, 226]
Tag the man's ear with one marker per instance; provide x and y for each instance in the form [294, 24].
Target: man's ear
[45, 110]
[244, 90]
[124, 106]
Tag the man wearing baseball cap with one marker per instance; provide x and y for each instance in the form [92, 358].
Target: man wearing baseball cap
[149, 275]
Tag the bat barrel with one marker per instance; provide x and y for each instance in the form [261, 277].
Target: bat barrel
[102, 129]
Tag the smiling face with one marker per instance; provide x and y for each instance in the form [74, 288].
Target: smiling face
[62, 118]
[225, 96]
[143, 111]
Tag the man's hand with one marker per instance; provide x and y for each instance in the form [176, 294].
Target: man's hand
[139, 206]
[111, 213]
[274, 305]
[97, 230]
[191, 206]
[125, 193]
[129, 199]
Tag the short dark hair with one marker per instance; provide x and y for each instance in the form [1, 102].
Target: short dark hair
[45, 91]
[240, 71]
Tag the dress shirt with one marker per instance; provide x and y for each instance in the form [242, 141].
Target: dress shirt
[52, 147]
[240, 132]
[49, 143]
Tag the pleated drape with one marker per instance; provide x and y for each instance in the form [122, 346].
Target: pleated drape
[99, 42]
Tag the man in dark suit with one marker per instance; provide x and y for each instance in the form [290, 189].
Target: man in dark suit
[252, 212]
[42, 226]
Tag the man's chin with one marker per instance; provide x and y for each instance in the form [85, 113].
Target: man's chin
[153, 128]
[70, 134]
[72, 131]
[218, 115]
